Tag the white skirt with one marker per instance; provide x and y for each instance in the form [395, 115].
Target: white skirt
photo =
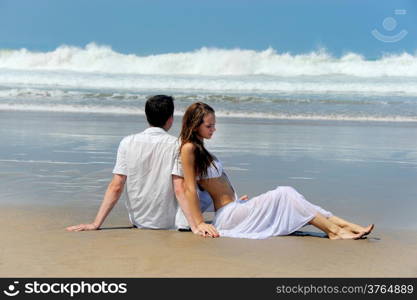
[278, 212]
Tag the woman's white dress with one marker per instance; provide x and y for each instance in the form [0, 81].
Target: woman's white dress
[281, 211]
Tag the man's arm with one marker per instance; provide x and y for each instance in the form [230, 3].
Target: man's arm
[112, 195]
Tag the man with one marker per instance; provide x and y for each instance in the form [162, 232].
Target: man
[144, 164]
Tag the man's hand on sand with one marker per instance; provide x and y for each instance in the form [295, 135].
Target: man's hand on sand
[206, 230]
[82, 227]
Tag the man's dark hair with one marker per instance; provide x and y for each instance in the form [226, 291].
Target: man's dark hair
[158, 109]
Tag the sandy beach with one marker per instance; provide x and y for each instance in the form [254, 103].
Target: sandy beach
[55, 176]
[38, 246]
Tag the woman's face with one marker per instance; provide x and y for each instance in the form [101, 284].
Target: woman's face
[208, 127]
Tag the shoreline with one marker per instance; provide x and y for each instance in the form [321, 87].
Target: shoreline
[296, 119]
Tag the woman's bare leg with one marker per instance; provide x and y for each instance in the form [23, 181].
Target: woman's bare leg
[334, 231]
[351, 226]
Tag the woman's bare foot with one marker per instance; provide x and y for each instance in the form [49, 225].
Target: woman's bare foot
[344, 234]
[368, 229]
[351, 226]
[359, 229]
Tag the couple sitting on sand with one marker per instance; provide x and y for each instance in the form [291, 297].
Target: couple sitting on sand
[160, 172]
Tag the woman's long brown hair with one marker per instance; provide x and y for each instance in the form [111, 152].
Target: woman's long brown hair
[192, 119]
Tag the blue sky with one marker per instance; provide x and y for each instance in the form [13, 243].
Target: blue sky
[152, 27]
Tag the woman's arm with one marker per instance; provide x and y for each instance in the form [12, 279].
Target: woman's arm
[191, 208]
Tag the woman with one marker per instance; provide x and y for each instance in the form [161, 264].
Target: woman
[278, 212]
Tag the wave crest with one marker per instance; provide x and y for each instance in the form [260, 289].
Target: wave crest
[209, 61]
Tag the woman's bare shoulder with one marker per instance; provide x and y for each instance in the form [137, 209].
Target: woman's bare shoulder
[188, 148]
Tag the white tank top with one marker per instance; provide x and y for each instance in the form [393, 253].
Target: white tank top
[214, 171]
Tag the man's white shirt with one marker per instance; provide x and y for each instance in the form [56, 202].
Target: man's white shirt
[147, 159]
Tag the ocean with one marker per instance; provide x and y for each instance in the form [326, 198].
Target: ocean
[236, 82]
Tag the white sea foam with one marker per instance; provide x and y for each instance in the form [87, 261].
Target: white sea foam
[208, 61]
[219, 113]
[99, 68]
[242, 83]
[72, 109]
[41, 84]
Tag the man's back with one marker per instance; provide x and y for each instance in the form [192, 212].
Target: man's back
[147, 159]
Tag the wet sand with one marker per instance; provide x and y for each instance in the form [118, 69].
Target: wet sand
[35, 244]
[356, 170]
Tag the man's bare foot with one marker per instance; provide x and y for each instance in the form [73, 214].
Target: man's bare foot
[344, 234]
